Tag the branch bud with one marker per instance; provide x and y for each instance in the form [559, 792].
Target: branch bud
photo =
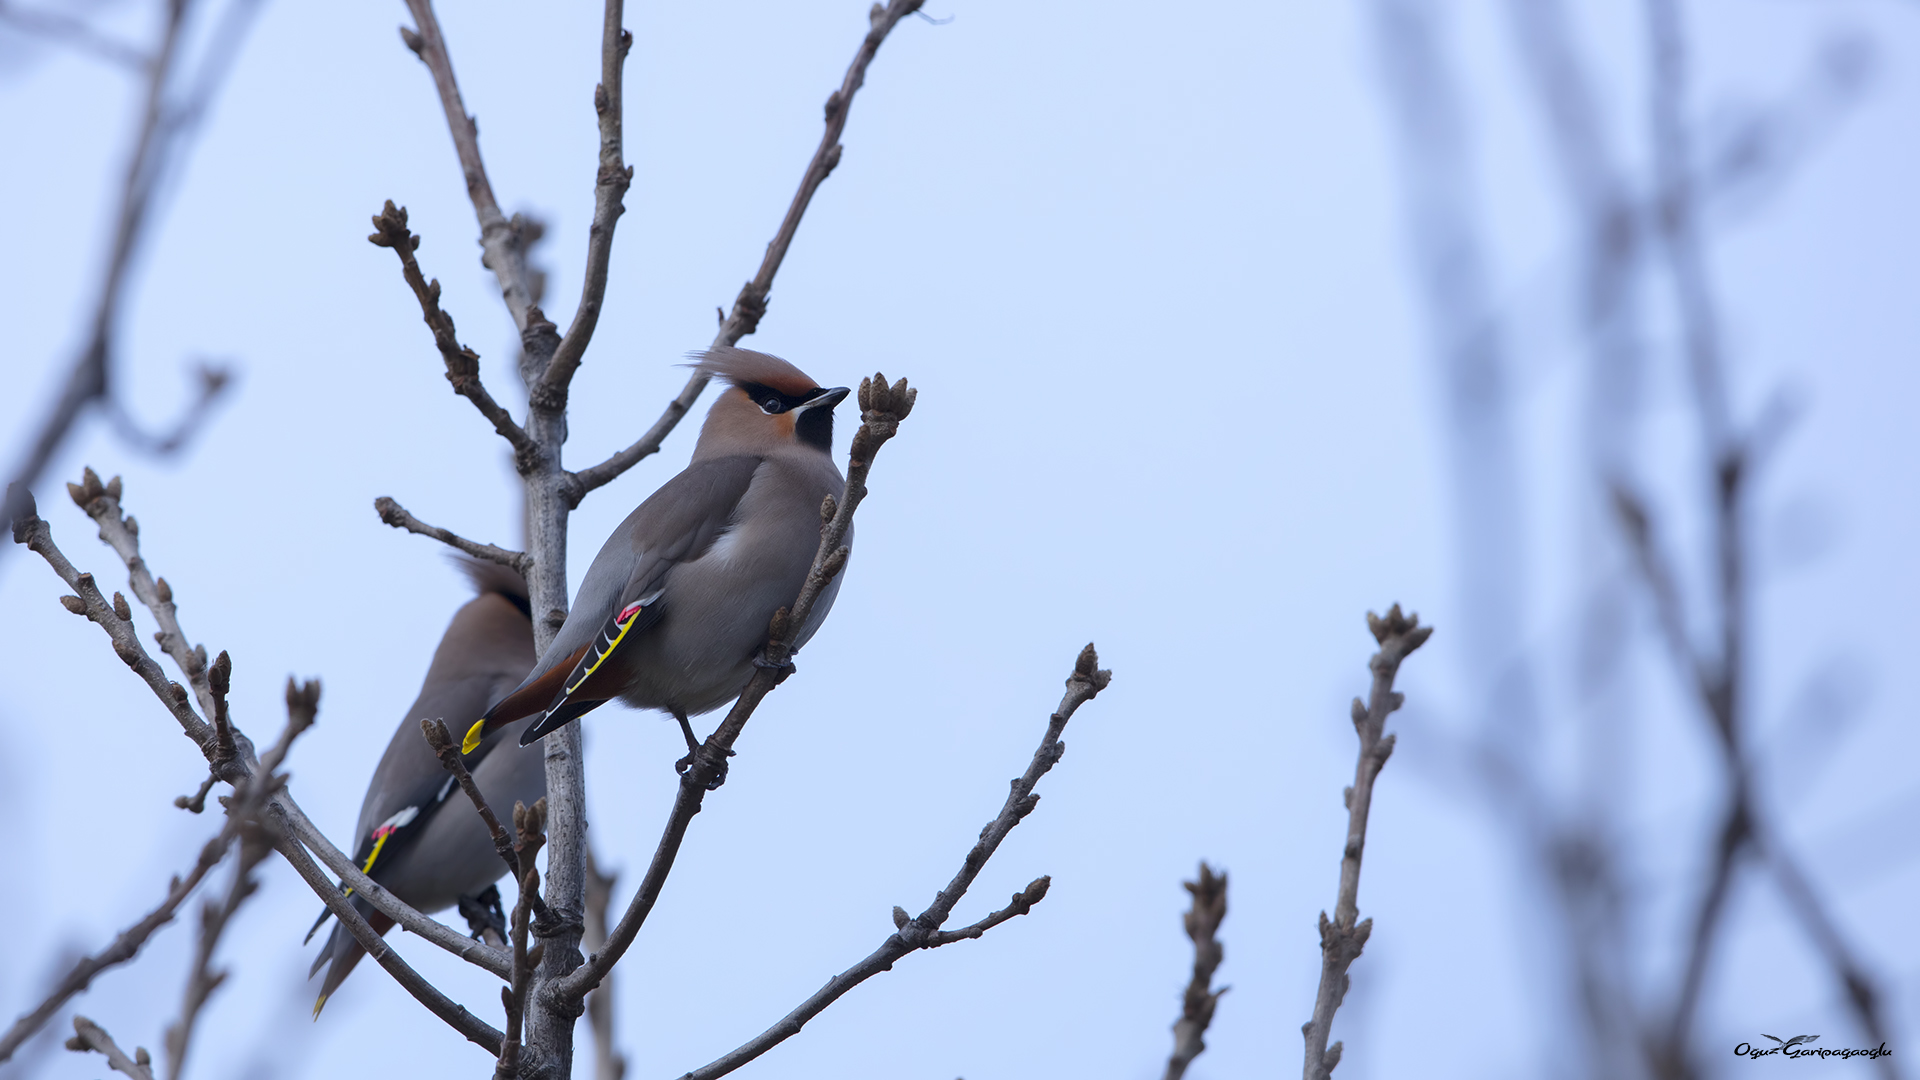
[121, 609]
[74, 604]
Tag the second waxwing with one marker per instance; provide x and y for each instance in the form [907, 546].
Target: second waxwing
[418, 835]
[674, 610]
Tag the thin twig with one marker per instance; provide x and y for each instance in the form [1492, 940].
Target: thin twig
[88, 1035]
[124, 948]
[74, 33]
[609, 188]
[121, 533]
[882, 409]
[392, 513]
[463, 364]
[529, 824]
[257, 838]
[1202, 922]
[31, 530]
[448, 751]
[923, 931]
[164, 131]
[454, 1014]
[751, 304]
[500, 240]
[1342, 938]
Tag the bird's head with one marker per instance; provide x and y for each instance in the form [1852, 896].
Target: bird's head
[768, 405]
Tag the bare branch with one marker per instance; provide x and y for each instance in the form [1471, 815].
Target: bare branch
[448, 752]
[1820, 926]
[751, 304]
[923, 931]
[257, 839]
[1342, 939]
[1021, 904]
[29, 529]
[91, 1036]
[504, 247]
[162, 135]
[609, 188]
[124, 948]
[213, 382]
[608, 1062]
[299, 831]
[529, 824]
[74, 33]
[397, 516]
[882, 409]
[455, 1015]
[463, 364]
[121, 533]
[1196, 1010]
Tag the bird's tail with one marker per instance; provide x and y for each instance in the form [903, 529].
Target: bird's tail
[342, 952]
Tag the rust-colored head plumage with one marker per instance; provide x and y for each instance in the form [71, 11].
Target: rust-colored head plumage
[746, 368]
[771, 406]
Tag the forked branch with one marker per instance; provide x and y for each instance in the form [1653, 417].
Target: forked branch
[923, 930]
[463, 364]
[751, 304]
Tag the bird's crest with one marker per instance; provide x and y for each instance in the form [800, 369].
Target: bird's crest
[744, 366]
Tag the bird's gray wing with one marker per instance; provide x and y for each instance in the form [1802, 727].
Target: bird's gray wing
[625, 590]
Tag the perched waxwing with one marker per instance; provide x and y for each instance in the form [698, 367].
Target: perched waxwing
[674, 610]
[418, 835]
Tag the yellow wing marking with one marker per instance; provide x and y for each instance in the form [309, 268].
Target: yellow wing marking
[600, 656]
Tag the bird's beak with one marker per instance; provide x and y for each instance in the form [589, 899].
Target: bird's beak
[827, 398]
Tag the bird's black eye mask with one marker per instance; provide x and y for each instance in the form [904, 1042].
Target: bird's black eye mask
[773, 402]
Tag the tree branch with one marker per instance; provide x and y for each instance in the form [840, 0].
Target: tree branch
[882, 409]
[455, 1015]
[75, 33]
[397, 516]
[1342, 939]
[124, 948]
[528, 825]
[923, 931]
[609, 188]
[463, 364]
[751, 304]
[1202, 922]
[500, 239]
[448, 752]
[257, 837]
[608, 1062]
[121, 533]
[91, 1036]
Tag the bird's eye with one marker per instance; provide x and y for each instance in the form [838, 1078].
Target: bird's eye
[771, 406]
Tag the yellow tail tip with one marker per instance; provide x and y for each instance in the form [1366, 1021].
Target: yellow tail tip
[472, 741]
[318, 1005]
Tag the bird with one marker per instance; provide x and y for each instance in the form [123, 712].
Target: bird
[675, 608]
[418, 835]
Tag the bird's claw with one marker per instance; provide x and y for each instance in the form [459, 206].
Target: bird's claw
[680, 768]
[484, 915]
[783, 670]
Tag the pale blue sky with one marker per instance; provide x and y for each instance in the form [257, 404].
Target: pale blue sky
[1147, 265]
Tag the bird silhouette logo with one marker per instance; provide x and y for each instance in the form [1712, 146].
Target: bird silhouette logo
[1788, 1044]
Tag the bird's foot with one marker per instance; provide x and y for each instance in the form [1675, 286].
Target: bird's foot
[680, 767]
[782, 670]
[485, 918]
